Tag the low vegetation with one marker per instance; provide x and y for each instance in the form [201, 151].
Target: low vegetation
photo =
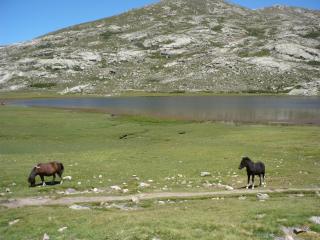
[261, 53]
[312, 34]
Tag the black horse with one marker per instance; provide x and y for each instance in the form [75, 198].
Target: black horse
[253, 169]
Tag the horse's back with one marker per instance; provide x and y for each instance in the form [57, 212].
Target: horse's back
[261, 166]
[49, 168]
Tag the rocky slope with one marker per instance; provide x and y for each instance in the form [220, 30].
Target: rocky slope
[175, 45]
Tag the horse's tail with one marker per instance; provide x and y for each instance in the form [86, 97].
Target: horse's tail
[62, 167]
[263, 167]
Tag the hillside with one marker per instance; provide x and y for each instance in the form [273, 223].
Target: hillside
[174, 46]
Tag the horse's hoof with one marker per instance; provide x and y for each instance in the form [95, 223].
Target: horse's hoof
[247, 187]
[61, 182]
[43, 184]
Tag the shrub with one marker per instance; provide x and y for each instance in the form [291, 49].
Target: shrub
[313, 34]
[256, 32]
[42, 85]
[314, 63]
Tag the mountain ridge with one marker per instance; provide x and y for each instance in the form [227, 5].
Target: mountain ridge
[174, 46]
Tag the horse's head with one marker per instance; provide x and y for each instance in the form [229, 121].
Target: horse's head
[32, 176]
[244, 162]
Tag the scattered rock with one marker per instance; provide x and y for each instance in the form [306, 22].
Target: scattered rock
[242, 198]
[298, 230]
[67, 178]
[100, 176]
[135, 199]
[205, 174]
[125, 190]
[79, 183]
[46, 237]
[62, 229]
[143, 185]
[8, 190]
[262, 196]
[78, 207]
[14, 222]
[70, 191]
[156, 238]
[260, 216]
[122, 207]
[228, 187]
[116, 188]
[315, 219]
[207, 185]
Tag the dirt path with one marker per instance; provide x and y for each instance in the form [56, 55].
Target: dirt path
[46, 201]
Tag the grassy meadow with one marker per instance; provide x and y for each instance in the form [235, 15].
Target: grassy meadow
[168, 155]
[228, 218]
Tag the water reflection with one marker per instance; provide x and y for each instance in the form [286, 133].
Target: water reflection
[295, 110]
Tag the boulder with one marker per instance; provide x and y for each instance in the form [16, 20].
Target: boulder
[143, 185]
[46, 237]
[262, 196]
[205, 174]
[315, 219]
[62, 229]
[70, 191]
[78, 207]
[14, 222]
[298, 230]
[135, 199]
[116, 188]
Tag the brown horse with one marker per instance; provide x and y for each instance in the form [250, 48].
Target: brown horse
[46, 169]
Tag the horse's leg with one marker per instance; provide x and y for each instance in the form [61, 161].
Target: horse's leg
[42, 179]
[53, 178]
[252, 181]
[248, 181]
[60, 176]
[264, 180]
[260, 180]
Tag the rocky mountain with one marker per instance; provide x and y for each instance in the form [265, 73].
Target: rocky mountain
[174, 46]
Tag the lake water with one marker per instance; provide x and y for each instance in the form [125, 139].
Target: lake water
[264, 109]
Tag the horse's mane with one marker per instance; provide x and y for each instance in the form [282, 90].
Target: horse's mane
[246, 159]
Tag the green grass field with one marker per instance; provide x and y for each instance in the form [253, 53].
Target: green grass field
[171, 154]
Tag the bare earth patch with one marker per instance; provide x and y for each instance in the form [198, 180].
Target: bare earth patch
[41, 201]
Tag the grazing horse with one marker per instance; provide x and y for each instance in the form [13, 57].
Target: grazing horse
[46, 169]
[252, 170]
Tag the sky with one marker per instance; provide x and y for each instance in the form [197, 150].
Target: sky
[22, 20]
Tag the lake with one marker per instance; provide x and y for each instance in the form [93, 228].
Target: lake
[251, 109]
